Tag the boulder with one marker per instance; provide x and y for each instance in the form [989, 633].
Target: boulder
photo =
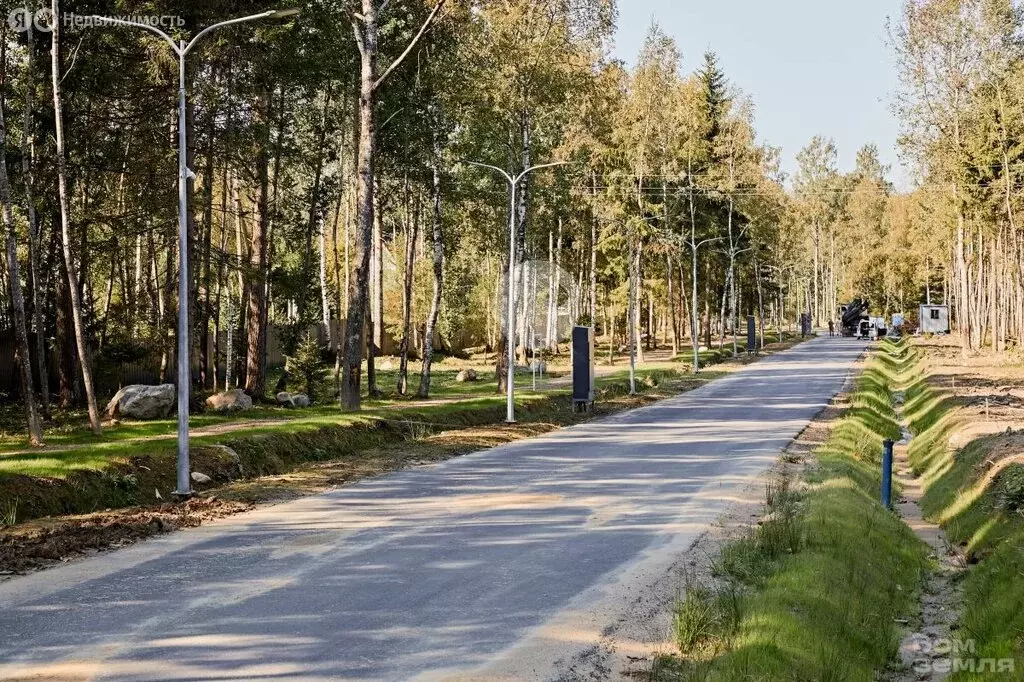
[200, 478]
[466, 375]
[142, 402]
[230, 454]
[293, 399]
[229, 401]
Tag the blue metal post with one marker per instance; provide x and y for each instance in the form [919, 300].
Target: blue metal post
[887, 474]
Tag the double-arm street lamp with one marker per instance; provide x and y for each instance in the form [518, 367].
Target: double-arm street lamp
[181, 49]
[510, 321]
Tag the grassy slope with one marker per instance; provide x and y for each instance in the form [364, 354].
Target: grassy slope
[982, 516]
[73, 430]
[120, 474]
[69, 429]
[123, 469]
[827, 610]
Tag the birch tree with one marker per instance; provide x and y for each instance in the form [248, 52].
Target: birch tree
[35, 429]
[84, 359]
[366, 29]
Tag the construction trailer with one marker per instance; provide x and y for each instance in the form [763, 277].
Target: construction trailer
[934, 319]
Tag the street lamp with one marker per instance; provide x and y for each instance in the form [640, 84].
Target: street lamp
[781, 270]
[184, 173]
[631, 300]
[510, 330]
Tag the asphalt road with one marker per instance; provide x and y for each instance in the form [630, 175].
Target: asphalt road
[434, 572]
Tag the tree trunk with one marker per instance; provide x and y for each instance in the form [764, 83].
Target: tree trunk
[721, 313]
[652, 329]
[355, 324]
[375, 323]
[34, 225]
[371, 369]
[325, 299]
[683, 302]
[69, 261]
[243, 286]
[817, 277]
[548, 332]
[35, 429]
[672, 306]
[637, 298]
[593, 253]
[632, 310]
[207, 364]
[707, 305]
[67, 370]
[255, 377]
[411, 234]
[435, 306]
[315, 219]
[611, 338]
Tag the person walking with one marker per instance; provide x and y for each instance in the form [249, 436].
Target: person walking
[831, 328]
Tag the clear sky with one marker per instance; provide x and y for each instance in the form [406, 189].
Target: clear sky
[813, 67]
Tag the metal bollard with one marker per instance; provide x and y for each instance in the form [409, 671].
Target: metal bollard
[887, 474]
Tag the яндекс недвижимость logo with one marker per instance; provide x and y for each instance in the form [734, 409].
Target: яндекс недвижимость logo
[22, 19]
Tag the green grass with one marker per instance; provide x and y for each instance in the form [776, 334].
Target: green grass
[980, 508]
[132, 460]
[824, 580]
[121, 473]
[129, 439]
[71, 427]
[84, 450]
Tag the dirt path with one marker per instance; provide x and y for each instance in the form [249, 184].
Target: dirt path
[660, 359]
[925, 651]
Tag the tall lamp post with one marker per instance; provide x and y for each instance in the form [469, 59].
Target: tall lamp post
[181, 49]
[632, 303]
[510, 329]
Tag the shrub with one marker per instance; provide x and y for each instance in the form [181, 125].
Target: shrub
[1011, 488]
[696, 619]
[306, 365]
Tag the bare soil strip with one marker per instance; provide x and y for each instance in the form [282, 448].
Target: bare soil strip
[941, 596]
